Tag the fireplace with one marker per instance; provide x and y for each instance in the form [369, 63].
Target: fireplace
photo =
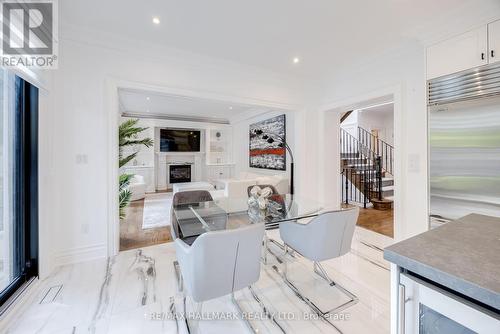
[179, 173]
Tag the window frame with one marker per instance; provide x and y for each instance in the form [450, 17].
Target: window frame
[25, 191]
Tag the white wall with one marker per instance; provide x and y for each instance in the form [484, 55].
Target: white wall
[81, 124]
[77, 124]
[404, 70]
[241, 142]
[374, 120]
[350, 124]
[399, 73]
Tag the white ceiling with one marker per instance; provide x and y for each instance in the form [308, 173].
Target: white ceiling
[383, 110]
[151, 104]
[269, 33]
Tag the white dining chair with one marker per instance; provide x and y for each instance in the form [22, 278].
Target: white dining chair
[324, 237]
[220, 263]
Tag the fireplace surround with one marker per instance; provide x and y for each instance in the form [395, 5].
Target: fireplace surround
[179, 173]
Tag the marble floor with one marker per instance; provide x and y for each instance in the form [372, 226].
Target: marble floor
[136, 292]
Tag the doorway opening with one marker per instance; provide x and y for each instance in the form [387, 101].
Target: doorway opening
[196, 143]
[367, 165]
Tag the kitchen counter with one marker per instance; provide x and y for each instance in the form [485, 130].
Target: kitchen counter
[463, 255]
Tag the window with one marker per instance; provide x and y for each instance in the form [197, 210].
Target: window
[18, 184]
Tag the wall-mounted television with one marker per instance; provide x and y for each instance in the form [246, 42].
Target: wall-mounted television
[179, 140]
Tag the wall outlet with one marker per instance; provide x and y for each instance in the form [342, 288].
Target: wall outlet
[414, 163]
[85, 228]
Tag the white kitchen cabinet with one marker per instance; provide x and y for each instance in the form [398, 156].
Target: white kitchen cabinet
[494, 41]
[459, 53]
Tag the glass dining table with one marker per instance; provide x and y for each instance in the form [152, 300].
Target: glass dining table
[197, 218]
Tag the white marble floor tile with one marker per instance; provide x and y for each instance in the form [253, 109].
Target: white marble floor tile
[136, 292]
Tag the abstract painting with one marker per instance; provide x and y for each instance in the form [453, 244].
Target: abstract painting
[267, 143]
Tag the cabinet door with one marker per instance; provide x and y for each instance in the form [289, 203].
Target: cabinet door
[494, 41]
[457, 54]
[220, 173]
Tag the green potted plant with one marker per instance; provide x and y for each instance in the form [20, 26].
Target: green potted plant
[128, 136]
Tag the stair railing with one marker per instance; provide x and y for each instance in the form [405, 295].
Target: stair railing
[362, 173]
[380, 147]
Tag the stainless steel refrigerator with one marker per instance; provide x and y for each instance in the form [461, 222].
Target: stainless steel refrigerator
[464, 144]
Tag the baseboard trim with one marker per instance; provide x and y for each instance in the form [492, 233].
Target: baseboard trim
[81, 254]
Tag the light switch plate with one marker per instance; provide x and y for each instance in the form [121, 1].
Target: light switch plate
[81, 159]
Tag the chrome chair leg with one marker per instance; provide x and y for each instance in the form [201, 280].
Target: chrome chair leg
[180, 288]
[186, 322]
[353, 299]
[318, 269]
[264, 308]
[241, 312]
[268, 250]
[306, 300]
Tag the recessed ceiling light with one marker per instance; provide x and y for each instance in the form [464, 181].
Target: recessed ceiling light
[156, 20]
[148, 98]
[296, 60]
[230, 108]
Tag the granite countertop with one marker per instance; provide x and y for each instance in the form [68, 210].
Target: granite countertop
[463, 255]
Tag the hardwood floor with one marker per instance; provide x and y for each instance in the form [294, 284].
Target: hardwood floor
[133, 236]
[378, 221]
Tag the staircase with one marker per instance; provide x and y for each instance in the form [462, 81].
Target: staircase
[381, 148]
[366, 170]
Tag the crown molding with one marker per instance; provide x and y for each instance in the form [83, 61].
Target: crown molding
[175, 117]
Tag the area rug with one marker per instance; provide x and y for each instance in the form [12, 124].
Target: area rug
[157, 210]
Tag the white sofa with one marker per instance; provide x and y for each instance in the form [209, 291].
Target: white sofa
[137, 187]
[187, 186]
[236, 189]
[279, 181]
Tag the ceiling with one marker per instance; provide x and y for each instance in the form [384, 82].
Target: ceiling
[155, 105]
[324, 34]
[383, 110]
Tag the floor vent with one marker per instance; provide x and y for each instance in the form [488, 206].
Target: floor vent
[51, 294]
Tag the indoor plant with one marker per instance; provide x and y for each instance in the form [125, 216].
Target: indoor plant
[128, 135]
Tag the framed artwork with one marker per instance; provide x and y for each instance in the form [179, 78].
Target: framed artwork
[267, 143]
